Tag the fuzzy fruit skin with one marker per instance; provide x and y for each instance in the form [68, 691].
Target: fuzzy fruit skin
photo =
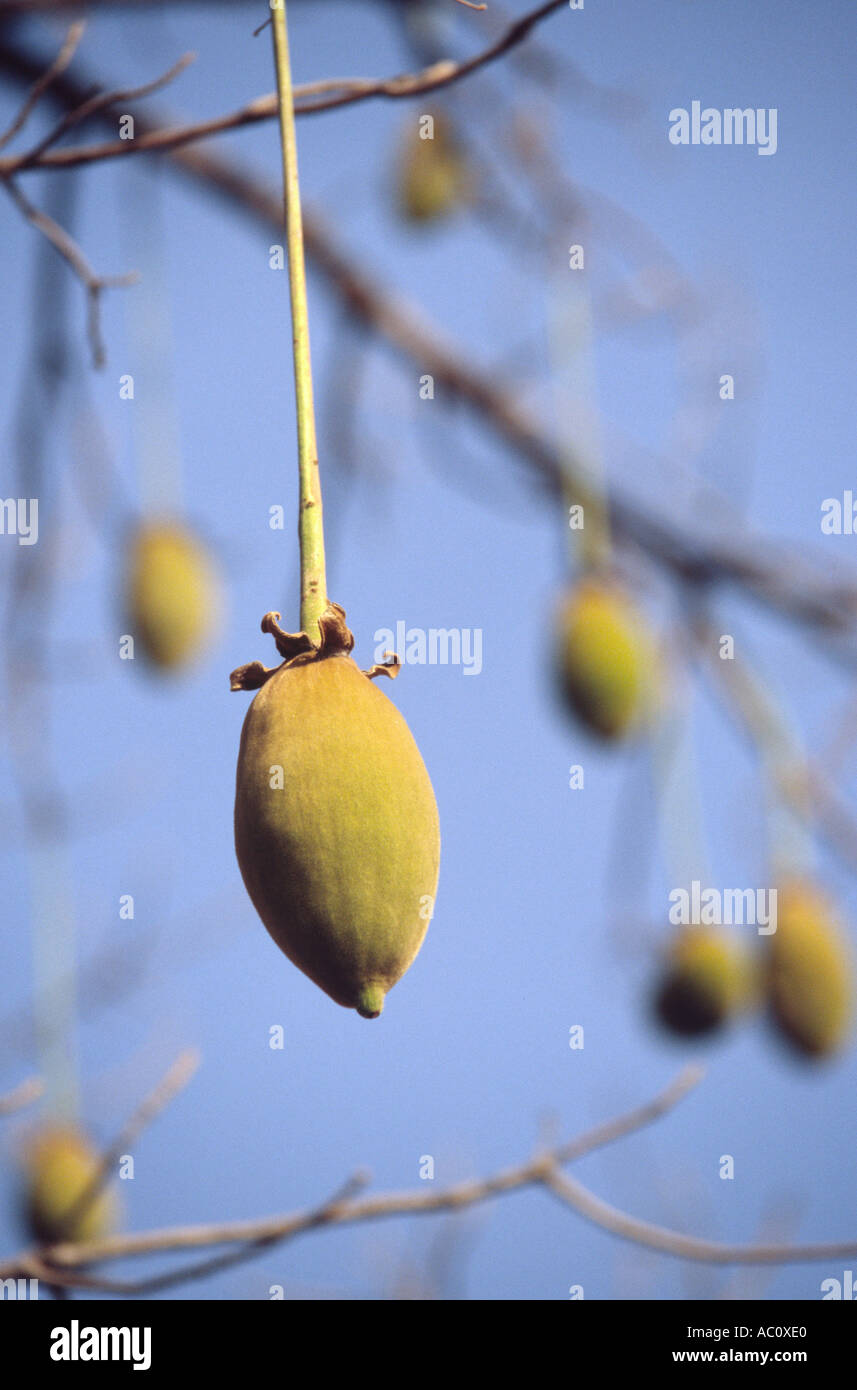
[342, 862]
[172, 594]
[432, 178]
[709, 979]
[60, 1165]
[606, 660]
[811, 972]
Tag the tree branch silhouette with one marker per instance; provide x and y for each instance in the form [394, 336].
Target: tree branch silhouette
[776, 575]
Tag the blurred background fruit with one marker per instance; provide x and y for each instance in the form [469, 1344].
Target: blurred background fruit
[708, 979]
[811, 972]
[607, 659]
[433, 179]
[172, 595]
[60, 1164]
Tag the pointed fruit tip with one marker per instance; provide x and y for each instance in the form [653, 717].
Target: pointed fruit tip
[371, 1002]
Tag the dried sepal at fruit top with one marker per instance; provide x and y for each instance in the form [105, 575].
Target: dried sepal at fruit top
[810, 975]
[172, 594]
[60, 1166]
[297, 647]
[607, 661]
[336, 825]
[433, 173]
[708, 978]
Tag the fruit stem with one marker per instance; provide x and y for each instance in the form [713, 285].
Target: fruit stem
[310, 524]
[584, 481]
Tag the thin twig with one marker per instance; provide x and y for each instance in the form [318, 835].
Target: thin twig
[21, 1096]
[60, 63]
[61, 1262]
[312, 97]
[341, 1209]
[803, 589]
[68, 248]
[102, 101]
[41, 1268]
[263, 108]
[573, 1194]
[440, 74]
[177, 1077]
[801, 782]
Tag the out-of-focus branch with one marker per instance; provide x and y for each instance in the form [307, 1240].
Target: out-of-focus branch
[39, 7]
[574, 1195]
[440, 74]
[98, 101]
[462, 1194]
[65, 1265]
[60, 63]
[781, 579]
[68, 248]
[21, 1096]
[311, 97]
[176, 1078]
[803, 589]
[798, 780]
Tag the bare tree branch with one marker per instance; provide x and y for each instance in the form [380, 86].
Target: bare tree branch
[65, 1265]
[326, 95]
[39, 7]
[462, 1194]
[574, 1195]
[63, 1261]
[101, 101]
[60, 63]
[792, 584]
[799, 780]
[21, 1096]
[439, 74]
[177, 1077]
[70, 251]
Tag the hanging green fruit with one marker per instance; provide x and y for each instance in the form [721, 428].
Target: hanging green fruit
[336, 825]
[708, 979]
[172, 594]
[606, 659]
[433, 178]
[60, 1165]
[811, 971]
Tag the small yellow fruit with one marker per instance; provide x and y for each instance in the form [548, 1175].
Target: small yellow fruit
[709, 978]
[171, 594]
[433, 176]
[336, 825]
[60, 1165]
[606, 658]
[811, 971]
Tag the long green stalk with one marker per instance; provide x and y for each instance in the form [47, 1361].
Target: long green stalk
[310, 524]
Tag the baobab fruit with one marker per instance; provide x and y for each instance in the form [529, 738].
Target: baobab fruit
[707, 980]
[60, 1166]
[432, 173]
[171, 594]
[336, 825]
[810, 971]
[606, 658]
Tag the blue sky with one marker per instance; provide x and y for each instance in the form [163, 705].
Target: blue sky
[551, 902]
